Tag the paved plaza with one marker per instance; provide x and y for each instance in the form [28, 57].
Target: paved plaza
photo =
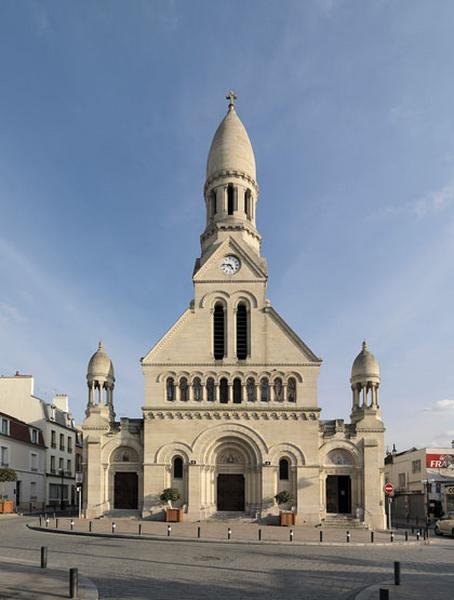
[144, 568]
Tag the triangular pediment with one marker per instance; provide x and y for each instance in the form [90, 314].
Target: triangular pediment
[289, 343]
[253, 267]
[165, 340]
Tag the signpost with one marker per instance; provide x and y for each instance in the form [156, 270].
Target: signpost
[388, 488]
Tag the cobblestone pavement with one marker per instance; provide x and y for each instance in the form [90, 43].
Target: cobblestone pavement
[144, 569]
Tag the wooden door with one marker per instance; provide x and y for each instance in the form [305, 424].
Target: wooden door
[230, 490]
[126, 491]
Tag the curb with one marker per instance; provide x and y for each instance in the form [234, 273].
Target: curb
[162, 538]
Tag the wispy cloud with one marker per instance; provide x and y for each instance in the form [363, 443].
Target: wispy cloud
[10, 314]
[441, 406]
[431, 203]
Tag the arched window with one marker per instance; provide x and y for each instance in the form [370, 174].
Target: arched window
[250, 388]
[237, 391]
[264, 389]
[170, 388]
[184, 390]
[210, 389]
[241, 331]
[291, 389]
[278, 389]
[213, 202]
[218, 332]
[223, 391]
[178, 467]
[283, 468]
[197, 389]
[230, 199]
[247, 203]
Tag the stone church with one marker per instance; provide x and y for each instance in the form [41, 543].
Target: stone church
[230, 414]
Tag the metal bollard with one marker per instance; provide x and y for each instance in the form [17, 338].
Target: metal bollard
[427, 533]
[140, 528]
[89, 526]
[114, 525]
[73, 583]
[321, 535]
[396, 572]
[43, 557]
[260, 535]
[47, 522]
[40, 519]
[383, 594]
[392, 536]
[229, 533]
[72, 524]
[371, 537]
[406, 536]
[169, 530]
[417, 535]
[291, 535]
[198, 533]
[348, 537]
[56, 523]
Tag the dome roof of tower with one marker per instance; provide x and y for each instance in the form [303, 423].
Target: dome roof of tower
[365, 364]
[100, 365]
[231, 148]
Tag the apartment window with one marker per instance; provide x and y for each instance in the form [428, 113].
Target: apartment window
[52, 464]
[34, 435]
[4, 456]
[33, 495]
[78, 463]
[5, 426]
[69, 467]
[70, 444]
[416, 466]
[33, 462]
[402, 480]
[53, 439]
[62, 441]
[60, 464]
[54, 492]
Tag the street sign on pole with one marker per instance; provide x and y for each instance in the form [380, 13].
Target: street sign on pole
[388, 488]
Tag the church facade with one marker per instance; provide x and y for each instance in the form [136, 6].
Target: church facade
[231, 415]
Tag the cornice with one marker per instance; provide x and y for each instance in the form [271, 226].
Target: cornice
[222, 364]
[225, 173]
[231, 415]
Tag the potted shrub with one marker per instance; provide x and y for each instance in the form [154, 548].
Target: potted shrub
[169, 495]
[284, 500]
[6, 475]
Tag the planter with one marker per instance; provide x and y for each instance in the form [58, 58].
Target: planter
[174, 515]
[286, 518]
[6, 506]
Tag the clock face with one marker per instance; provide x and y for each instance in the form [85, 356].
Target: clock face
[230, 265]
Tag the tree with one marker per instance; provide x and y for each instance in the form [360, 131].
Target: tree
[169, 495]
[283, 497]
[6, 475]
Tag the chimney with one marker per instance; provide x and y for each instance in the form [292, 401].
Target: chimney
[61, 401]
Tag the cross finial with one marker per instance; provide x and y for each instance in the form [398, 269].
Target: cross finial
[231, 97]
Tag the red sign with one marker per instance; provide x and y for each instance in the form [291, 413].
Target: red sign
[388, 488]
[440, 461]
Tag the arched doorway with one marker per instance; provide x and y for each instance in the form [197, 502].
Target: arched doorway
[230, 478]
[338, 494]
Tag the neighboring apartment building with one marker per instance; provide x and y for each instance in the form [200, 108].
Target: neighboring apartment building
[423, 480]
[58, 432]
[22, 448]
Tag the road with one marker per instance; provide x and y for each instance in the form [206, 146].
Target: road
[143, 569]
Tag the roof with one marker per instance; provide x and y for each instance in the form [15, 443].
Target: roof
[20, 431]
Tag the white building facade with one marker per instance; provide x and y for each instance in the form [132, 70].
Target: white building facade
[231, 414]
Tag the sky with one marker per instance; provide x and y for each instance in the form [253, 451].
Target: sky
[107, 112]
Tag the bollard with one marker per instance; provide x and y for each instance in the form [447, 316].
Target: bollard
[392, 536]
[40, 519]
[73, 583]
[140, 528]
[383, 594]
[89, 526]
[198, 533]
[396, 572]
[56, 523]
[371, 537]
[114, 525]
[229, 533]
[47, 522]
[417, 535]
[43, 557]
[72, 524]
[406, 536]
[321, 536]
[169, 530]
[291, 535]
[260, 535]
[427, 533]
[348, 537]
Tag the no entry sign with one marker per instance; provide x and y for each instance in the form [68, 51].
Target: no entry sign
[388, 488]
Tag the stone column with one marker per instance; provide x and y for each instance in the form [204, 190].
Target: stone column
[230, 393]
[194, 492]
[308, 494]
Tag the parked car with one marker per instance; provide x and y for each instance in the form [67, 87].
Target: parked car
[445, 525]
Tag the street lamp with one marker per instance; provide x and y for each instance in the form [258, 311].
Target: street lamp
[61, 472]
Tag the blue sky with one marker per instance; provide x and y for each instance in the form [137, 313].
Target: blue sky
[107, 111]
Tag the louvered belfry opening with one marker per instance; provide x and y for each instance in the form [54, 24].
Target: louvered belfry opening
[218, 332]
[241, 332]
